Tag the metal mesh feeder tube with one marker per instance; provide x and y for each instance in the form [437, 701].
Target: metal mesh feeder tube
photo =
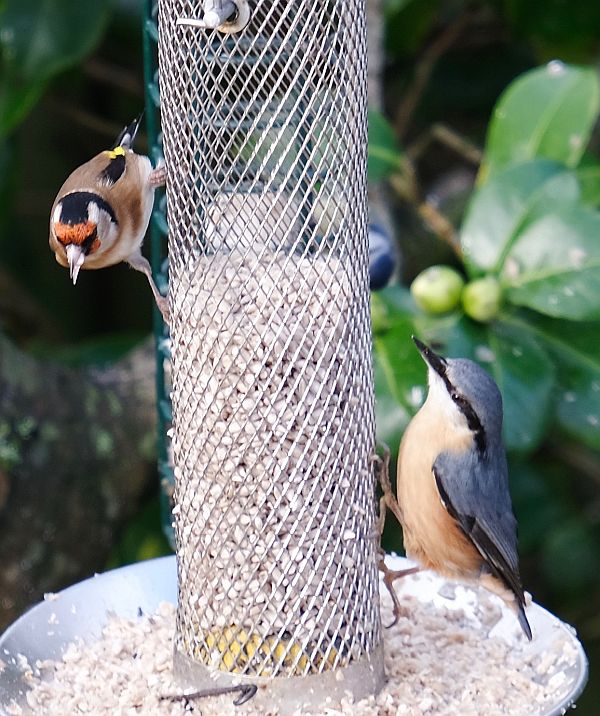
[273, 425]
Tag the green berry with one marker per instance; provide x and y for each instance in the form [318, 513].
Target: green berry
[482, 298]
[437, 289]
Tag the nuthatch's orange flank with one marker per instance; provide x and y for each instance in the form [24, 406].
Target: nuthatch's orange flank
[102, 211]
[453, 494]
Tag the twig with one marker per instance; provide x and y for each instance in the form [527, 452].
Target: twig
[424, 69]
[439, 224]
[115, 76]
[449, 138]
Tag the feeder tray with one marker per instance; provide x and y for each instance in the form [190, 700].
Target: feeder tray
[81, 612]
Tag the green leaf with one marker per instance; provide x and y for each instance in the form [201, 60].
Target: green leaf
[39, 39]
[384, 156]
[548, 112]
[407, 24]
[569, 556]
[588, 177]
[525, 375]
[400, 379]
[538, 507]
[575, 349]
[503, 207]
[554, 265]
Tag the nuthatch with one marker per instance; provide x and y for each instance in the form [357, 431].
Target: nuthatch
[102, 211]
[453, 494]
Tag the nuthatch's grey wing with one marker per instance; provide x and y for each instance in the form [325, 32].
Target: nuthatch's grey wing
[474, 489]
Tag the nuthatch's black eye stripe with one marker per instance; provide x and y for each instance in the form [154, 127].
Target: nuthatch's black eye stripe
[470, 416]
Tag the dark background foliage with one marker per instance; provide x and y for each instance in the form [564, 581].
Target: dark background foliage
[71, 77]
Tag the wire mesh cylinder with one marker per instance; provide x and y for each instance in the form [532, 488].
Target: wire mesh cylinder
[273, 425]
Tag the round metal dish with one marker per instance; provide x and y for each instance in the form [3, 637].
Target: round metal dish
[82, 610]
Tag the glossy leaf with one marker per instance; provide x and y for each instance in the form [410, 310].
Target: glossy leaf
[503, 207]
[575, 348]
[400, 378]
[39, 39]
[537, 506]
[554, 265]
[525, 375]
[556, 28]
[384, 156]
[572, 545]
[548, 112]
[588, 176]
[407, 24]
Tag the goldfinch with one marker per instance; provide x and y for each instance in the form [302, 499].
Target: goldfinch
[102, 211]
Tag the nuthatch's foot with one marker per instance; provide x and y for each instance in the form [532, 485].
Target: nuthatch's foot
[389, 577]
[388, 500]
[386, 486]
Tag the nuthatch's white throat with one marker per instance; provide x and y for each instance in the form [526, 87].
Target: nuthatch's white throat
[453, 495]
[102, 211]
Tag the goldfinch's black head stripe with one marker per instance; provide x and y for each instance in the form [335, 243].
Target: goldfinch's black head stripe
[114, 170]
[74, 207]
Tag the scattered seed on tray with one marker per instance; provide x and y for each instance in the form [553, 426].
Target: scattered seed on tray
[439, 662]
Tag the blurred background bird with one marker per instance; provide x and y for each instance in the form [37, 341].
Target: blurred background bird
[453, 495]
[382, 257]
[100, 215]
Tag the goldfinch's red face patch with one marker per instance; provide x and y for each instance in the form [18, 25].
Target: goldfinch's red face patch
[83, 234]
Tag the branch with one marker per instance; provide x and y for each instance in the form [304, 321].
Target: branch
[424, 70]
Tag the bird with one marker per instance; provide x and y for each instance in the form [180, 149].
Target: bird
[101, 212]
[452, 482]
[382, 257]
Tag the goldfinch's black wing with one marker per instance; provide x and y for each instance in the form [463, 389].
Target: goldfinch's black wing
[116, 158]
[116, 163]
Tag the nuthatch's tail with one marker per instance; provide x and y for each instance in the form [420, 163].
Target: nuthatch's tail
[523, 621]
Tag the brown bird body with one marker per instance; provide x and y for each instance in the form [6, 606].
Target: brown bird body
[432, 538]
[452, 490]
[100, 215]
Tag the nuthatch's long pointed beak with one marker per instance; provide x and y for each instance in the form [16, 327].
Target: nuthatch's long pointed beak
[432, 359]
[75, 257]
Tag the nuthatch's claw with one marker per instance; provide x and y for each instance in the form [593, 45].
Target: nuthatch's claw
[389, 577]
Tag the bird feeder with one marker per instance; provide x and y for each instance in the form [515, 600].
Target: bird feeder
[268, 365]
[264, 127]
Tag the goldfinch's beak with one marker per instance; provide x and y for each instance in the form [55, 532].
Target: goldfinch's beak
[75, 257]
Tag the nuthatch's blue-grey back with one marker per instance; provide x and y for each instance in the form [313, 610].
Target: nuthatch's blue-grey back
[457, 516]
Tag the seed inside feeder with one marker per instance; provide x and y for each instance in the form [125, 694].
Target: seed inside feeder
[267, 393]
